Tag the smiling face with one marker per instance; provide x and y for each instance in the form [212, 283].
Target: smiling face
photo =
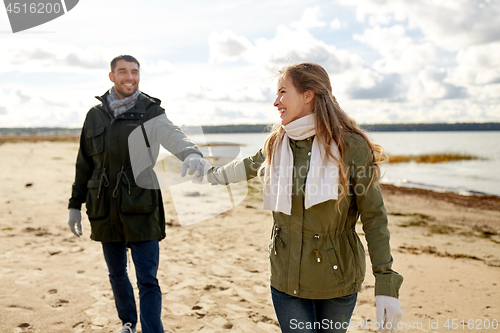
[126, 78]
[291, 103]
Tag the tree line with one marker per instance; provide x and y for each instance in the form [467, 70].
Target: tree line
[261, 128]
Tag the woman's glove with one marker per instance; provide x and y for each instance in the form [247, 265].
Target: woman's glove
[75, 221]
[202, 178]
[193, 163]
[389, 313]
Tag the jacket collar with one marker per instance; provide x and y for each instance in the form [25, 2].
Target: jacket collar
[143, 101]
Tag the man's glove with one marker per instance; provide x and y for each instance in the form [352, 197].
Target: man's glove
[193, 163]
[75, 221]
[202, 178]
[389, 313]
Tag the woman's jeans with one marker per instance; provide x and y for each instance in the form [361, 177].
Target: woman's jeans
[300, 315]
[146, 258]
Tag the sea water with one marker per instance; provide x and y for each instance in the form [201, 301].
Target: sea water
[480, 176]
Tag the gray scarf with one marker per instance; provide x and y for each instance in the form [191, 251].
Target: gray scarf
[117, 105]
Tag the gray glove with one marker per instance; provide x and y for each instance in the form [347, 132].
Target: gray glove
[193, 163]
[75, 221]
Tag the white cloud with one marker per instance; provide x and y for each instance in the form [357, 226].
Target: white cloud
[236, 113]
[367, 112]
[401, 54]
[159, 67]
[478, 65]
[378, 12]
[486, 94]
[418, 60]
[230, 93]
[25, 107]
[349, 74]
[310, 19]
[336, 24]
[40, 55]
[195, 93]
[451, 24]
[291, 46]
[446, 111]
[430, 84]
[368, 84]
[227, 46]
[287, 47]
[3, 102]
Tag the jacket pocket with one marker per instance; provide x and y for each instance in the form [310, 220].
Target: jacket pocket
[95, 202]
[135, 199]
[320, 269]
[334, 265]
[95, 140]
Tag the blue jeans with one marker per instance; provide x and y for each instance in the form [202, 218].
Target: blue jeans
[301, 315]
[146, 258]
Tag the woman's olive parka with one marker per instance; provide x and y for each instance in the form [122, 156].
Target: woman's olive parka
[316, 253]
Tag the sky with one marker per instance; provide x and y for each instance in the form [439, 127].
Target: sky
[215, 62]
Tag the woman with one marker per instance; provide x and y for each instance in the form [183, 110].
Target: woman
[320, 175]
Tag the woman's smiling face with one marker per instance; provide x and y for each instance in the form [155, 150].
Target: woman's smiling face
[291, 104]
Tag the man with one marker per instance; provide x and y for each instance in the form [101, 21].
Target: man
[122, 214]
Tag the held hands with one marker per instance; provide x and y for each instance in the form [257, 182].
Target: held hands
[193, 163]
[202, 178]
[75, 222]
[389, 313]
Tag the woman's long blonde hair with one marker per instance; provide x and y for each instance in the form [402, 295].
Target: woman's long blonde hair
[332, 123]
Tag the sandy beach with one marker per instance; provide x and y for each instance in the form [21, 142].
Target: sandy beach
[214, 274]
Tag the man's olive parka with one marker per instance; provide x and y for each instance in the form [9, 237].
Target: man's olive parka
[117, 208]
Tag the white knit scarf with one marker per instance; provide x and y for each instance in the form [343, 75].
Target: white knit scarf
[322, 177]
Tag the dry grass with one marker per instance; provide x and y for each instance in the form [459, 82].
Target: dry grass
[432, 158]
[38, 138]
[76, 138]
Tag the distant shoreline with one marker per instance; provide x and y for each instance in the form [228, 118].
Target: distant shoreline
[262, 128]
[477, 199]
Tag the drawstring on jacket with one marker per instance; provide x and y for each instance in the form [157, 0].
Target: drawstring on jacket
[318, 257]
[277, 236]
[106, 182]
[118, 179]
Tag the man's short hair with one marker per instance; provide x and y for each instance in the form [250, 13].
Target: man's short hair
[125, 57]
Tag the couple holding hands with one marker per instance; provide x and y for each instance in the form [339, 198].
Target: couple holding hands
[320, 174]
